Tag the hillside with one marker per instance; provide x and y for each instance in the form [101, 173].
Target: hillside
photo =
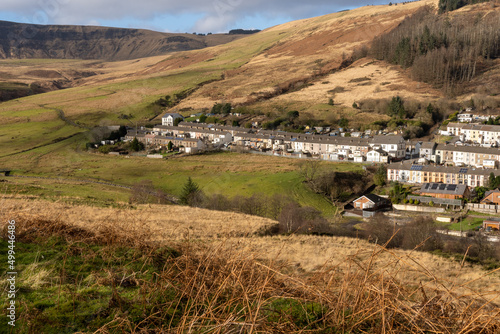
[139, 270]
[22, 41]
[297, 66]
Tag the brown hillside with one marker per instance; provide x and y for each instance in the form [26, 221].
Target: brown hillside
[302, 49]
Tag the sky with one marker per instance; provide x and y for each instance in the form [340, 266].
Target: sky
[201, 16]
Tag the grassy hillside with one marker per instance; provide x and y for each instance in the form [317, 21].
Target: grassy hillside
[164, 268]
[228, 174]
[295, 66]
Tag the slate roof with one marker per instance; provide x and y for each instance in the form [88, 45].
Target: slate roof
[427, 145]
[443, 188]
[374, 198]
[174, 115]
[409, 165]
[474, 149]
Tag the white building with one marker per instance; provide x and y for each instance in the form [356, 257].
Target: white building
[377, 155]
[169, 118]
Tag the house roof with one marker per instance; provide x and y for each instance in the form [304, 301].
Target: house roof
[174, 115]
[443, 188]
[427, 145]
[373, 198]
[489, 192]
[472, 149]
[380, 151]
[389, 139]
[477, 127]
[409, 165]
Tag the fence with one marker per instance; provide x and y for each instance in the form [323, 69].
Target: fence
[417, 208]
[485, 208]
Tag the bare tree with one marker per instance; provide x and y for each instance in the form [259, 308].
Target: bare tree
[309, 169]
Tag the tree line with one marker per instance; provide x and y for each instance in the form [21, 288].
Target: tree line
[440, 50]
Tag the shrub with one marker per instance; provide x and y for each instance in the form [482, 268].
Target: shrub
[105, 149]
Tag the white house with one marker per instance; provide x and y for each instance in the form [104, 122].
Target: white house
[223, 138]
[377, 155]
[465, 117]
[169, 118]
[394, 145]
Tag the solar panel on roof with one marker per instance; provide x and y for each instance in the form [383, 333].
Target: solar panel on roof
[434, 186]
[442, 186]
[462, 171]
[452, 187]
[416, 167]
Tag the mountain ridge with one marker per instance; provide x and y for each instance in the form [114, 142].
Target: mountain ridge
[21, 41]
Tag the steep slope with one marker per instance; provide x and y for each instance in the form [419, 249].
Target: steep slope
[88, 42]
[297, 65]
[302, 52]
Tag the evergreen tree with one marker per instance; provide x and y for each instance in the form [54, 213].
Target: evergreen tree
[380, 176]
[136, 145]
[191, 193]
[396, 107]
[226, 108]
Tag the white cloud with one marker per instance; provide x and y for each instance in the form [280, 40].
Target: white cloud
[217, 15]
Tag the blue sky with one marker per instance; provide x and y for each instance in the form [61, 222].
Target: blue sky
[171, 15]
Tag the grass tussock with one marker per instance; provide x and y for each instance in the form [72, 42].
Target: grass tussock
[114, 279]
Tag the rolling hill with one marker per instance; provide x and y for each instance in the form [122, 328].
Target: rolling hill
[294, 66]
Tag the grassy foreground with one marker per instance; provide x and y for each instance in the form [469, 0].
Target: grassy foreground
[113, 278]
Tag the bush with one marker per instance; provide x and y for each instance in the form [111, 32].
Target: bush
[105, 149]
[296, 219]
[382, 232]
[431, 203]
[421, 234]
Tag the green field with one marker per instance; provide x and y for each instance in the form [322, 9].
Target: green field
[229, 174]
[470, 223]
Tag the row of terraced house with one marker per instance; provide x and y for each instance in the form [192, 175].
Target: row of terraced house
[477, 133]
[409, 172]
[380, 149]
[460, 155]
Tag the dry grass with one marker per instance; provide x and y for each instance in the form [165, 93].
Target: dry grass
[230, 287]
[163, 223]
[378, 72]
[166, 224]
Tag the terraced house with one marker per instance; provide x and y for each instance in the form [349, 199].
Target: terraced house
[387, 148]
[459, 155]
[484, 157]
[476, 133]
[408, 172]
